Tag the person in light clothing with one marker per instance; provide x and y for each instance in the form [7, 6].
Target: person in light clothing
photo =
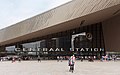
[71, 63]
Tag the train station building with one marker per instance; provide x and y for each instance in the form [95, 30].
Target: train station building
[81, 27]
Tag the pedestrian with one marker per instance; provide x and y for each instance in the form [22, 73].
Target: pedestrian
[58, 58]
[82, 58]
[19, 59]
[102, 58]
[71, 63]
[39, 60]
[61, 58]
[13, 59]
[114, 57]
[1, 59]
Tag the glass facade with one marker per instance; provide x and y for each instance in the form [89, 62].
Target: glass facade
[10, 48]
[83, 41]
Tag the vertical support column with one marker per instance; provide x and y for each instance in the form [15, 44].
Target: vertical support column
[2, 49]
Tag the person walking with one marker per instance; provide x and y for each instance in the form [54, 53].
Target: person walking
[71, 63]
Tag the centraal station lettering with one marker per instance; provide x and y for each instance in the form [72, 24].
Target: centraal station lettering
[60, 49]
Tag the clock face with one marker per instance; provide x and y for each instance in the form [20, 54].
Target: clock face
[89, 36]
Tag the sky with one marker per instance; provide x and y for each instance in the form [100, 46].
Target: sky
[13, 11]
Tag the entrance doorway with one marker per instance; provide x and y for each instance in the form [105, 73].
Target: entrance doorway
[81, 40]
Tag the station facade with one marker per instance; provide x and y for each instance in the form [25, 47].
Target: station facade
[85, 29]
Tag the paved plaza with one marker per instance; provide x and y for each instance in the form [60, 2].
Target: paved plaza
[52, 67]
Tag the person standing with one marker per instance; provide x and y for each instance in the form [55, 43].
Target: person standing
[114, 57]
[19, 59]
[61, 58]
[58, 58]
[1, 59]
[13, 59]
[102, 58]
[39, 60]
[72, 63]
[82, 58]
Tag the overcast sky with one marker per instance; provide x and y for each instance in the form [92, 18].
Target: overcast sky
[13, 11]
